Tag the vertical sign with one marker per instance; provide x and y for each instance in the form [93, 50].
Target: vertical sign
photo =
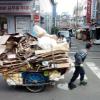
[88, 15]
[93, 9]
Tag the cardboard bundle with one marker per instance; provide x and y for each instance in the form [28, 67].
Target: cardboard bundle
[33, 50]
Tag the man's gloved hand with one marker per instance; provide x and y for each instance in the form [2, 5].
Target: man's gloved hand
[81, 65]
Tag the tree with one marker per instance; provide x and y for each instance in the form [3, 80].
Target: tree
[54, 30]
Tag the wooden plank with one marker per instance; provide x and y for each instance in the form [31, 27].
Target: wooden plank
[57, 66]
[57, 61]
[44, 52]
[51, 57]
[10, 65]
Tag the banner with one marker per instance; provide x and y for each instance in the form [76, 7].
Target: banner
[88, 15]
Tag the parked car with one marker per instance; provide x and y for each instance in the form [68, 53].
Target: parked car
[67, 35]
[96, 41]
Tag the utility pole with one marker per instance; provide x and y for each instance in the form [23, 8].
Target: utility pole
[54, 13]
[77, 15]
[54, 4]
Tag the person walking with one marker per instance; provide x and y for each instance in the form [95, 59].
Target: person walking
[79, 70]
[92, 32]
[88, 35]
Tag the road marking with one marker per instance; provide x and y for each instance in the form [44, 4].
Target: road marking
[63, 86]
[73, 47]
[95, 58]
[72, 52]
[72, 71]
[73, 44]
[94, 68]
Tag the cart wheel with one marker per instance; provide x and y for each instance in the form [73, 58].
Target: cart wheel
[37, 80]
[35, 89]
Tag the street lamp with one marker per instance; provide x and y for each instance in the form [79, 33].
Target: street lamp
[77, 15]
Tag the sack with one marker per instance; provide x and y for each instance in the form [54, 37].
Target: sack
[39, 31]
[46, 43]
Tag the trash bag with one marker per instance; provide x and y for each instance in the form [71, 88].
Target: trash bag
[39, 31]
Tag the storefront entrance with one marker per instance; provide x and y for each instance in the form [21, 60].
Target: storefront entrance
[3, 25]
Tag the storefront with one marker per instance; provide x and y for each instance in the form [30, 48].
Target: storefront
[3, 24]
[15, 16]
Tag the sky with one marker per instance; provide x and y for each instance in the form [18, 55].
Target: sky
[66, 6]
[62, 6]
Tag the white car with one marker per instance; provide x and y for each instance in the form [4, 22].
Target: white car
[67, 35]
[96, 41]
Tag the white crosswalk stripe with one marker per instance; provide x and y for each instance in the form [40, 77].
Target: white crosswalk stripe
[73, 47]
[63, 86]
[94, 68]
[72, 52]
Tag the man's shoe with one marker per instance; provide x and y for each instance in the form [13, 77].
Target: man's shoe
[83, 83]
[71, 86]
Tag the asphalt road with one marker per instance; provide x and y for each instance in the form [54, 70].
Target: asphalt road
[60, 91]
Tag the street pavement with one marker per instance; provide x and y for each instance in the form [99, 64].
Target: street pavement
[60, 91]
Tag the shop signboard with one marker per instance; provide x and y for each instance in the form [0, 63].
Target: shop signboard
[15, 7]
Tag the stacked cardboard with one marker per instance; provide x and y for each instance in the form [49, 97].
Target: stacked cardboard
[24, 53]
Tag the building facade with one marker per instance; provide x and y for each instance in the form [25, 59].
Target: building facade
[16, 16]
[19, 16]
[46, 14]
[79, 13]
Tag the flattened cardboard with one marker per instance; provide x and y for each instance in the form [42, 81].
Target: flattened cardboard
[3, 39]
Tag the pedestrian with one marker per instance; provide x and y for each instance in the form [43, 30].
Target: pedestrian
[92, 32]
[88, 34]
[61, 38]
[79, 70]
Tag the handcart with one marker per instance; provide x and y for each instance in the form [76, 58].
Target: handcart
[35, 77]
[23, 64]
